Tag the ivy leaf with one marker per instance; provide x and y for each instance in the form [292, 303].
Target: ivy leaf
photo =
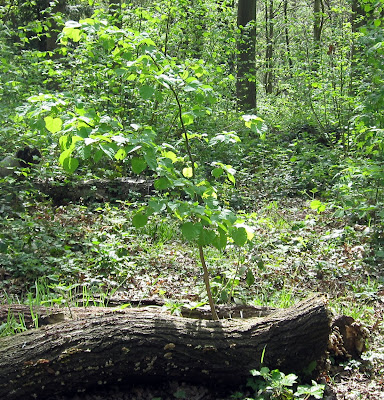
[138, 165]
[53, 124]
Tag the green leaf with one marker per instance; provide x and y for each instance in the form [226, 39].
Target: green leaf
[225, 137]
[231, 178]
[316, 390]
[191, 231]
[188, 172]
[216, 172]
[187, 119]
[239, 236]
[250, 278]
[138, 165]
[150, 158]
[53, 124]
[146, 92]
[256, 124]
[140, 220]
[206, 237]
[121, 154]
[70, 164]
[157, 205]
[171, 155]
[318, 205]
[162, 183]
[109, 149]
[220, 241]
[288, 380]
[71, 33]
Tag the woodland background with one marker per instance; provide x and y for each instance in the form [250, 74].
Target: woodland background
[256, 128]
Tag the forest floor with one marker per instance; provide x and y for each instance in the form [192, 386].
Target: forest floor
[296, 251]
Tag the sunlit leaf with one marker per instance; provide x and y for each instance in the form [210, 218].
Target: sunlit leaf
[53, 124]
[188, 172]
[121, 154]
[187, 119]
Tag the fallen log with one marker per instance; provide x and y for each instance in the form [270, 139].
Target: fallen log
[131, 345]
[101, 190]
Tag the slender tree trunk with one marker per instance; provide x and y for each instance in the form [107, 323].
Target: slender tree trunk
[286, 33]
[318, 21]
[269, 31]
[246, 48]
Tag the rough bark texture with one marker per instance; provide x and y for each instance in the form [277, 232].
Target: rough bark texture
[53, 315]
[132, 345]
[246, 47]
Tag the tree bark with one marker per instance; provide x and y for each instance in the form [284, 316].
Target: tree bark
[318, 21]
[269, 32]
[129, 346]
[287, 39]
[246, 48]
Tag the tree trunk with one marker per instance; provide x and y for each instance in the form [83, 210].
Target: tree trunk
[318, 21]
[287, 40]
[269, 25]
[246, 48]
[128, 346]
